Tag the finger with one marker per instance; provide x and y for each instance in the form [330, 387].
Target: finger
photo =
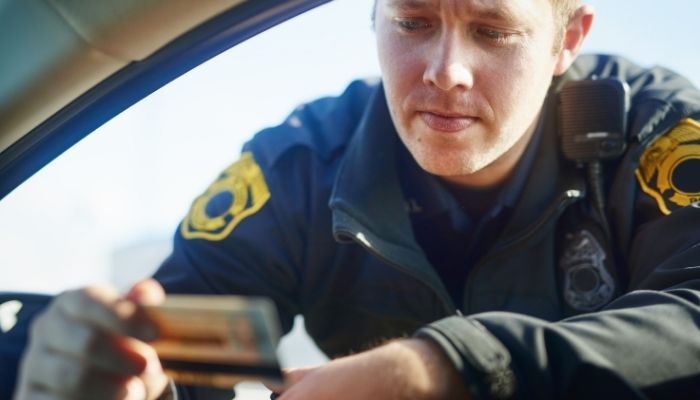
[66, 377]
[96, 348]
[136, 390]
[33, 393]
[147, 381]
[72, 355]
[153, 379]
[275, 387]
[103, 308]
[146, 378]
[147, 291]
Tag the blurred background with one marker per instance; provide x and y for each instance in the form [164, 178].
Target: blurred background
[105, 211]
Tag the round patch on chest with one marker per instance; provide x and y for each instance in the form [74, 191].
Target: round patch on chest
[239, 192]
[669, 168]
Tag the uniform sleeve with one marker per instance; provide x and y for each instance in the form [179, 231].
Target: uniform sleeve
[247, 234]
[233, 241]
[645, 344]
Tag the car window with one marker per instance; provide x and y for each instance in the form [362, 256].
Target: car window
[105, 210]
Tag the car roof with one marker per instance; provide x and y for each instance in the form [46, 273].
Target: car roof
[69, 66]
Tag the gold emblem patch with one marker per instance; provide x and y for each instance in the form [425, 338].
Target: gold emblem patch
[668, 170]
[239, 192]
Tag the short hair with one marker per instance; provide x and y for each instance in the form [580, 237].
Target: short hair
[563, 10]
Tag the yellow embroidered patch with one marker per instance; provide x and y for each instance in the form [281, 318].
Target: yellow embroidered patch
[668, 170]
[239, 192]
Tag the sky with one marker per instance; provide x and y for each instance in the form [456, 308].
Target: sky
[125, 187]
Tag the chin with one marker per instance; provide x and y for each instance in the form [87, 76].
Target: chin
[447, 165]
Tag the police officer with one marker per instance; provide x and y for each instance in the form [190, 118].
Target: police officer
[437, 206]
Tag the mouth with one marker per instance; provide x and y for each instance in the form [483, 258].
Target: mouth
[446, 122]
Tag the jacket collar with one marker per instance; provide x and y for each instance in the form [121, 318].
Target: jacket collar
[368, 203]
[367, 188]
[427, 197]
[549, 177]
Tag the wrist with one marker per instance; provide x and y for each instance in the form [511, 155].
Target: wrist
[423, 371]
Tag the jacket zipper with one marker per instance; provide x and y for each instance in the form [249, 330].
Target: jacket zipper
[564, 200]
[443, 297]
[555, 210]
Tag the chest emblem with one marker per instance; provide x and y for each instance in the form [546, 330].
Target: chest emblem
[669, 168]
[587, 283]
[240, 191]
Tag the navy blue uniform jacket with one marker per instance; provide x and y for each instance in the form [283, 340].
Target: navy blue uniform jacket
[314, 217]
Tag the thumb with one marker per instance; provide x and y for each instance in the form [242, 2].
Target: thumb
[292, 376]
[147, 292]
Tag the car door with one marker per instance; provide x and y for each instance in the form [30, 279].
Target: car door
[33, 139]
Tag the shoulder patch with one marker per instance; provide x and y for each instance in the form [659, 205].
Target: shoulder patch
[240, 191]
[668, 170]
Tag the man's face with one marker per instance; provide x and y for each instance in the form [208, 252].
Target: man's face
[465, 79]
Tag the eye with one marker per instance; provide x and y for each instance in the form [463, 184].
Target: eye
[494, 35]
[411, 24]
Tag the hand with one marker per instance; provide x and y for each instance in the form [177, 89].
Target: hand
[406, 369]
[91, 344]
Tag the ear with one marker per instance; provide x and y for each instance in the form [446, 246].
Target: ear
[572, 39]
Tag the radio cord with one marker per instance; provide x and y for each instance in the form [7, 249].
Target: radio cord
[595, 179]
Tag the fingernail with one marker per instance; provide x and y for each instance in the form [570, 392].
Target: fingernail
[135, 389]
[124, 309]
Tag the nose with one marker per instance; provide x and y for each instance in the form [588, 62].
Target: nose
[448, 65]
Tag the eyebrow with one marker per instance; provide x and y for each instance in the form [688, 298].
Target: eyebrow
[408, 4]
[496, 14]
[493, 13]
